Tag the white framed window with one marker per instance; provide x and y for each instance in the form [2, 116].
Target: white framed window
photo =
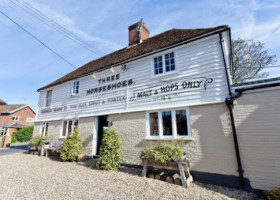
[168, 124]
[75, 88]
[68, 126]
[44, 128]
[15, 117]
[29, 119]
[3, 131]
[164, 64]
[48, 98]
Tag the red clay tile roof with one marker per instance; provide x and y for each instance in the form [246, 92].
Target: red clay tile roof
[17, 125]
[157, 42]
[10, 108]
[2, 102]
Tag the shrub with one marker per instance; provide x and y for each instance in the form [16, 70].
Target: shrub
[24, 134]
[13, 138]
[163, 151]
[273, 194]
[38, 139]
[110, 151]
[72, 146]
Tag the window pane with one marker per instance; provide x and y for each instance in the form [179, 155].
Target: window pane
[48, 98]
[154, 131]
[181, 120]
[169, 62]
[70, 126]
[167, 123]
[64, 128]
[158, 65]
[156, 71]
[75, 89]
[76, 124]
[47, 126]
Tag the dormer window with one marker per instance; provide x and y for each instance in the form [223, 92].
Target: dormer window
[164, 64]
[75, 87]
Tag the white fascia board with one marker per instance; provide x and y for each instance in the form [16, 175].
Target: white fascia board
[254, 85]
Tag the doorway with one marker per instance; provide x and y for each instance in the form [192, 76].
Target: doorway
[102, 124]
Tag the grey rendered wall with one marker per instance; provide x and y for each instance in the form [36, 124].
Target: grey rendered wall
[54, 128]
[257, 117]
[86, 127]
[212, 149]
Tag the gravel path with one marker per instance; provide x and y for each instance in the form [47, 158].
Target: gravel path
[26, 176]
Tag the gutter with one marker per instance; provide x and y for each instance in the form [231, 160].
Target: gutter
[229, 101]
[143, 56]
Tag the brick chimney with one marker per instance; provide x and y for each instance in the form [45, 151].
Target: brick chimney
[137, 33]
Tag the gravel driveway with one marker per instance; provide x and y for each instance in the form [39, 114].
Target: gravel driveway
[26, 176]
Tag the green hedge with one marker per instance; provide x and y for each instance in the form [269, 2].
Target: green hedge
[13, 139]
[24, 134]
[110, 151]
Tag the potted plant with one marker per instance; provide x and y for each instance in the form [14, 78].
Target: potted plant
[168, 156]
[161, 153]
[35, 144]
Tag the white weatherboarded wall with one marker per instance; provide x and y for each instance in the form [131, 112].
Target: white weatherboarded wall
[200, 79]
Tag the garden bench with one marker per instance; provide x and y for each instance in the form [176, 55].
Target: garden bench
[52, 145]
[182, 164]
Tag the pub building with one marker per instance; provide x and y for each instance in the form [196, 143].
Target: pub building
[170, 86]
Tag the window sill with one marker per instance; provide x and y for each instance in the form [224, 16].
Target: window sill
[179, 138]
[165, 74]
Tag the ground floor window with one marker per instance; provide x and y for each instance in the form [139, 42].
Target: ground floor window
[168, 124]
[68, 126]
[44, 128]
[3, 131]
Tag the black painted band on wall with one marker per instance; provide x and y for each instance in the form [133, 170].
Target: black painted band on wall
[230, 181]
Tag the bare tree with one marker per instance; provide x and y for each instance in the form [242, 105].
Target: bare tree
[249, 58]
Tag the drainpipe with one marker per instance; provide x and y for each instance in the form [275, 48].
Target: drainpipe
[229, 102]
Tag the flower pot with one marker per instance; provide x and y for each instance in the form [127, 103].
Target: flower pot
[81, 158]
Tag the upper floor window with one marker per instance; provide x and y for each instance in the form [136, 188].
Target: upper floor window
[15, 117]
[164, 64]
[49, 98]
[75, 87]
[169, 124]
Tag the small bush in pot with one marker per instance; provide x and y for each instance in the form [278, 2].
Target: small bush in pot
[72, 146]
[163, 151]
[110, 151]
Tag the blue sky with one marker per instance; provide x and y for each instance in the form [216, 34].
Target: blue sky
[26, 65]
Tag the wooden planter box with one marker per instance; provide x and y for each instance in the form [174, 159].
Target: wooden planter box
[34, 149]
[182, 166]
